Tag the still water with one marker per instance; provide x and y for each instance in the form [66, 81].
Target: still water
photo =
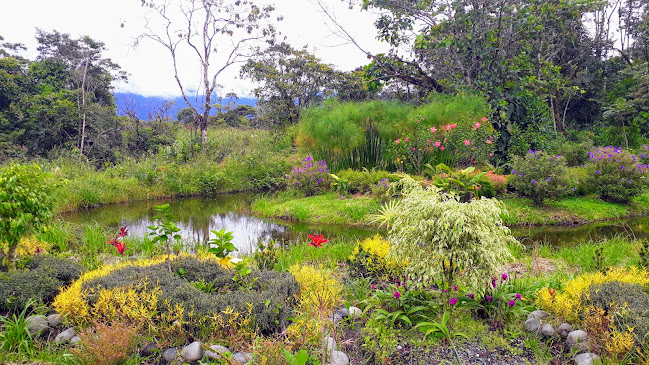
[196, 217]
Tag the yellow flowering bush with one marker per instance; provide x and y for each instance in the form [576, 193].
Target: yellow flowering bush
[370, 257]
[568, 303]
[319, 289]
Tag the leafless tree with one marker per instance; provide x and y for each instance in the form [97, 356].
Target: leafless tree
[219, 33]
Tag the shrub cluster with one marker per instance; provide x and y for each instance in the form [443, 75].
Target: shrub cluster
[310, 177]
[576, 154]
[104, 344]
[40, 281]
[370, 258]
[367, 181]
[539, 176]
[150, 292]
[615, 175]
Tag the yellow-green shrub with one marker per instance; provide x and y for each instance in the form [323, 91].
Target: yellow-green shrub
[319, 289]
[370, 257]
[569, 304]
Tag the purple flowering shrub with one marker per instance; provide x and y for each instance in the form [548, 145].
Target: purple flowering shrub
[499, 302]
[616, 175]
[310, 177]
[539, 176]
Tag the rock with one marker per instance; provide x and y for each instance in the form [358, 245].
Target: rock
[576, 337]
[329, 343]
[242, 357]
[339, 358]
[532, 324]
[547, 330]
[54, 320]
[192, 352]
[343, 312]
[215, 352]
[170, 354]
[587, 358]
[538, 314]
[75, 340]
[335, 318]
[399, 347]
[36, 324]
[564, 329]
[149, 349]
[65, 336]
[355, 312]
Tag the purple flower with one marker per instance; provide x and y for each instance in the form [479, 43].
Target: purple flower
[489, 298]
[511, 303]
[597, 172]
[514, 172]
[493, 281]
[504, 276]
[470, 296]
[533, 181]
[397, 294]
[373, 287]
[452, 301]
[548, 178]
[454, 287]
[518, 296]
[445, 290]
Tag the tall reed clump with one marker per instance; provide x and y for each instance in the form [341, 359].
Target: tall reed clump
[357, 135]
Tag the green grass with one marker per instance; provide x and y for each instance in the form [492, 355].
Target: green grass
[617, 251]
[327, 208]
[329, 255]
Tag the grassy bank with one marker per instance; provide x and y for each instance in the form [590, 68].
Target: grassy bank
[331, 209]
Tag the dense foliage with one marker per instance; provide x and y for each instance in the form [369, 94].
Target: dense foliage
[539, 176]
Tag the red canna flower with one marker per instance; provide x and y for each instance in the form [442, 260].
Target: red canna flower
[317, 241]
[38, 250]
[120, 248]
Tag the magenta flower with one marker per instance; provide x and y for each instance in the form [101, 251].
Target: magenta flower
[511, 303]
[454, 287]
[489, 298]
[452, 301]
[373, 287]
[504, 276]
[397, 294]
[470, 296]
[518, 296]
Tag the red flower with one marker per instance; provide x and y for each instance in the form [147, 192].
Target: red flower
[317, 241]
[120, 248]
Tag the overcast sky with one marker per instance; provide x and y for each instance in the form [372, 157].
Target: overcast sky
[149, 66]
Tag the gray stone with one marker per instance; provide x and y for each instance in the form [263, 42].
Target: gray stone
[547, 330]
[54, 320]
[343, 312]
[329, 343]
[355, 312]
[215, 352]
[335, 318]
[587, 358]
[399, 347]
[242, 357]
[538, 314]
[339, 358]
[564, 329]
[65, 336]
[149, 349]
[170, 354]
[36, 324]
[576, 337]
[192, 352]
[75, 340]
[532, 324]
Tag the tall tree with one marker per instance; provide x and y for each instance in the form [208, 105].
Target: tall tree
[219, 33]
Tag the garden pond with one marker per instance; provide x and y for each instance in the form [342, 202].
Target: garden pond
[196, 217]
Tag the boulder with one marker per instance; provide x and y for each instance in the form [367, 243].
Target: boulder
[75, 340]
[216, 352]
[339, 358]
[335, 318]
[170, 354]
[54, 320]
[587, 358]
[576, 337]
[65, 336]
[538, 314]
[192, 352]
[564, 329]
[343, 312]
[329, 343]
[149, 349]
[547, 330]
[242, 357]
[532, 324]
[36, 324]
[355, 312]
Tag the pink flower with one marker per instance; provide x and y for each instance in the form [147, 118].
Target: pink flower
[396, 294]
[484, 119]
[477, 125]
[467, 142]
[437, 144]
[442, 148]
[444, 140]
[449, 127]
[511, 303]
[428, 141]
[414, 149]
[491, 155]
[488, 141]
[518, 296]
[397, 141]
[406, 139]
[454, 287]
[433, 129]
[504, 276]
[373, 287]
[452, 301]
[418, 121]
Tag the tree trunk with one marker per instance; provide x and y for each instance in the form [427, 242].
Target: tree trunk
[204, 120]
[11, 256]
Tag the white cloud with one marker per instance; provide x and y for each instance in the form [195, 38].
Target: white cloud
[149, 65]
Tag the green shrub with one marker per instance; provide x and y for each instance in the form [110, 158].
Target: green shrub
[366, 181]
[576, 154]
[310, 177]
[272, 297]
[615, 174]
[40, 282]
[627, 304]
[539, 176]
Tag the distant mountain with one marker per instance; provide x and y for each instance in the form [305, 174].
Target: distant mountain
[145, 105]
